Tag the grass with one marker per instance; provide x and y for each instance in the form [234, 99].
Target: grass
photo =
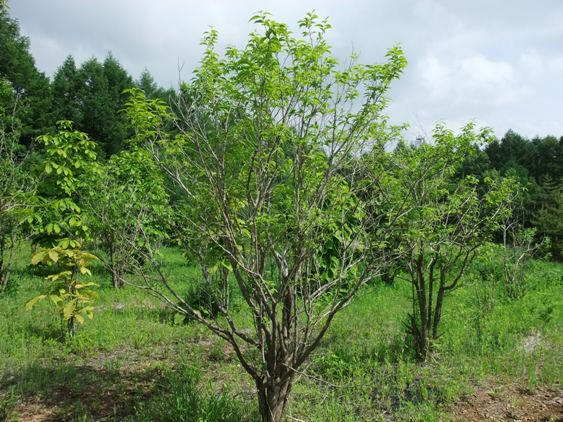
[134, 362]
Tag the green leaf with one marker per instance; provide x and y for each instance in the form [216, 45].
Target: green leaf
[179, 318]
[213, 269]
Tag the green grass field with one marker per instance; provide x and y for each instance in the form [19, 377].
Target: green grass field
[133, 361]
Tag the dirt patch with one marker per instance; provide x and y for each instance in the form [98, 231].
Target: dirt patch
[510, 403]
[107, 386]
[35, 412]
[84, 390]
[531, 342]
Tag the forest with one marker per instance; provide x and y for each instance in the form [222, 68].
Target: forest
[262, 243]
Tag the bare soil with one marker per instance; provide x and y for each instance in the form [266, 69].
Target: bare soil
[510, 402]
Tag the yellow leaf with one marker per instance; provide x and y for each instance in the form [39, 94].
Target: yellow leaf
[79, 318]
[68, 310]
[38, 257]
[33, 301]
[82, 285]
[53, 255]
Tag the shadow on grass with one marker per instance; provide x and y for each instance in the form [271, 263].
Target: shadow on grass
[82, 392]
[70, 391]
[49, 332]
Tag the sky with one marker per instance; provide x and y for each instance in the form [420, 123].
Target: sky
[497, 63]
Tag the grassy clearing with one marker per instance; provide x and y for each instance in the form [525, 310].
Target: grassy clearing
[133, 362]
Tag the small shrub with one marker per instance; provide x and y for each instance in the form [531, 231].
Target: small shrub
[333, 365]
[205, 299]
[71, 297]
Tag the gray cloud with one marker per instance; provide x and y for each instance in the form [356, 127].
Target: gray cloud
[498, 63]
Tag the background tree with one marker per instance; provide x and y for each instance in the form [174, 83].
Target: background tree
[512, 151]
[443, 225]
[31, 87]
[16, 186]
[548, 218]
[148, 85]
[118, 80]
[265, 165]
[67, 103]
[128, 205]
[93, 97]
[96, 104]
[375, 166]
[530, 161]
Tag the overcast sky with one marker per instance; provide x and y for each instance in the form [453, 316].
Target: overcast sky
[499, 63]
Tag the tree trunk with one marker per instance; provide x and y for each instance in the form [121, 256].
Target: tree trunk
[3, 279]
[388, 276]
[116, 266]
[438, 311]
[71, 326]
[7, 249]
[3, 271]
[117, 272]
[425, 316]
[117, 278]
[272, 399]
